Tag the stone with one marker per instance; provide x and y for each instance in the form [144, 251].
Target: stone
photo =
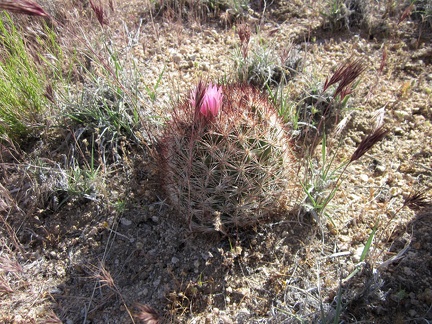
[125, 221]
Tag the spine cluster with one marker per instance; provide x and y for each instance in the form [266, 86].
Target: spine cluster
[226, 159]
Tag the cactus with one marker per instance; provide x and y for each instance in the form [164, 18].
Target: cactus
[226, 160]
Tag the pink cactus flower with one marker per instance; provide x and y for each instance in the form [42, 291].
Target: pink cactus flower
[211, 101]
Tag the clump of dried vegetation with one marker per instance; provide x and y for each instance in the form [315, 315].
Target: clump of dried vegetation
[235, 157]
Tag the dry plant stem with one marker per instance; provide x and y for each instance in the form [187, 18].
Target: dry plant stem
[12, 235]
[416, 201]
[365, 145]
[244, 33]
[406, 13]
[103, 276]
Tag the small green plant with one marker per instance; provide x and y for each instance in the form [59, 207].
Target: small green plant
[152, 90]
[317, 114]
[22, 85]
[83, 183]
[261, 65]
[422, 12]
[107, 107]
[227, 163]
[321, 187]
[343, 14]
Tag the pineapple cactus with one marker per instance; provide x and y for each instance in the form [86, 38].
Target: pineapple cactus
[226, 159]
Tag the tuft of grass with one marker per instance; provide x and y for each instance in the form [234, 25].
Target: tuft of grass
[23, 100]
[261, 65]
[422, 12]
[313, 118]
[321, 189]
[344, 14]
[108, 108]
[229, 11]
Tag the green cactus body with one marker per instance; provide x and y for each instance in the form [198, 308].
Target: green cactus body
[230, 171]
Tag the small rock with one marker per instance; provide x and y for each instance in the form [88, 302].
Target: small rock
[53, 255]
[185, 65]
[176, 58]
[175, 260]
[363, 177]
[56, 291]
[157, 282]
[125, 221]
[357, 253]
[394, 191]
[408, 271]
[380, 169]
[399, 131]
[226, 320]
[402, 114]
[427, 296]
[242, 316]
[143, 292]
[204, 67]
[155, 219]
[419, 120]
[354, 197]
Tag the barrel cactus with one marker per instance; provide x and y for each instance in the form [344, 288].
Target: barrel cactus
[226, 160]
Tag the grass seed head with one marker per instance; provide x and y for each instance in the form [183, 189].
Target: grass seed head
[25, 7]
[148, 315]
[99, 12]
[346, 74]
[368, 142]
[417, 201]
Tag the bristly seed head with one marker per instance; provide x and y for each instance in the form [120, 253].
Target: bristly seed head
[345, 75]
[244, 34]
[369, 141]
[417, 201]
[99, 12]
[26, 7]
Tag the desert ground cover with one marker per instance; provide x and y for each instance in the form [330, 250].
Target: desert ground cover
[320, 145]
